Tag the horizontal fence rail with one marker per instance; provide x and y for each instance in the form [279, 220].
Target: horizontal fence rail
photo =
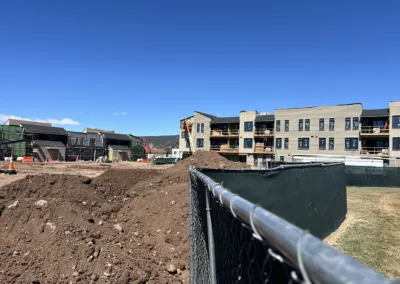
[374, 130]
[374, 151]
[264, 131]
[224, 148]
[218, 132]
[235, 241]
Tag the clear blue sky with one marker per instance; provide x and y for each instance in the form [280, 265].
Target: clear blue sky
[157, 61]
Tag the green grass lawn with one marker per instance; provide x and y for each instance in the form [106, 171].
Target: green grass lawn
[371, 231]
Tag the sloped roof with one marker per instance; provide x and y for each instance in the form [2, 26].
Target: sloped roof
[232, 119]
[47, 143]
[265, 118]
[116, 136]
[383, 112]
[119, 147]
[39, 129]
[206, 115]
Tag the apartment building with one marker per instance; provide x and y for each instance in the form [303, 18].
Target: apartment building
[317, 130]
[256, 138]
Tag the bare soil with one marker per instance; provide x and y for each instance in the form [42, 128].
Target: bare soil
[106, 226]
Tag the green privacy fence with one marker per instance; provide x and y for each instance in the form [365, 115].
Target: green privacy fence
[311, 196]
[372, 176]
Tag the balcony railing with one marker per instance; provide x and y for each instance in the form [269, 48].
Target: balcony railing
[225, 149]
[374, 130]
[374, 151]
[264, 131]
[259, 148]
[222, 133]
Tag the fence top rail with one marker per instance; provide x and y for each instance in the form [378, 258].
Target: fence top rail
[279, 168]
[322, 263]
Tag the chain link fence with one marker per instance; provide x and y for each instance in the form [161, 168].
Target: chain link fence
[235, 241]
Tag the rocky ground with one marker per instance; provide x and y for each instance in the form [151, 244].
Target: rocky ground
[122, 226]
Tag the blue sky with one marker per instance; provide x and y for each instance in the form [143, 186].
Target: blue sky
[140, 66]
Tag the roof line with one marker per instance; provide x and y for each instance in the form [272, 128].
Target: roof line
[320, 106]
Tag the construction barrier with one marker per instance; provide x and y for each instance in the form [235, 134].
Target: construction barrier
[373, 176]
[234, 241]
[310, 196]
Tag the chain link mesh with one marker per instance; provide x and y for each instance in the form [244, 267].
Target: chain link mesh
[239, 256]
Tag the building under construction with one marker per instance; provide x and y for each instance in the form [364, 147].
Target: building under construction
[42, 142]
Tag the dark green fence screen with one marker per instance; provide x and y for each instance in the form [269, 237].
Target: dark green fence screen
[373, 176]
[311, 196]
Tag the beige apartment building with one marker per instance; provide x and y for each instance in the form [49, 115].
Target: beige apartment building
[256, 138]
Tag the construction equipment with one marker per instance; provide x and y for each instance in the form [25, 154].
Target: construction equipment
[187, 126]
[148, 151]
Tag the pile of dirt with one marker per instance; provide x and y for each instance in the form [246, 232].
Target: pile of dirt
[125, 226]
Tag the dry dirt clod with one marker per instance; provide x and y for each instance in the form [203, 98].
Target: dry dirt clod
[171, 269]
[119, 228]
[13, 205]
[108, 271]
[41, 203]
[94, 277]
[90, 258]
[75, 274]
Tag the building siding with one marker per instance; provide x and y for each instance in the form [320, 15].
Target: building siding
[199, 119]
[246, 116]
[339, 113]
[394, 111]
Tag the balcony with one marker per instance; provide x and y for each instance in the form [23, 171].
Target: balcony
[217, 133]
[374, 130]
[375, 151]
[225, 149]
[264, 132]
[260, 148]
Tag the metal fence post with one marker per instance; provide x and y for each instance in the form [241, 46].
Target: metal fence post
[211, 250]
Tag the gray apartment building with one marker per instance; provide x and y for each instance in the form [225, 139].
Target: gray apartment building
[256, 138]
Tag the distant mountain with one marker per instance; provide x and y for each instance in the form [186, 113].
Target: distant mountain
[165, 140]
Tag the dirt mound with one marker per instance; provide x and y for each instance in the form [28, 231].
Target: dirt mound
[125, 226]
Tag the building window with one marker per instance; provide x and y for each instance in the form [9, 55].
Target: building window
[255, 161]
[304, 143]
[200, 142]
[307, 124]
[278, 143]
[300, 125]
[331, 124]
[351, 143]
[348, 123]
[202, 128]
[198, 127]
[82, 140]
[322, 143]
[248, 143]
[321, 124]
[355, 123]
[76, 140]
[278, 125]
[183, 134]
[286, 125]
[396, 143]
[282, 158]
[92, 141]
[286, 145]
[248, 126]
[331, 143]
[396, 121]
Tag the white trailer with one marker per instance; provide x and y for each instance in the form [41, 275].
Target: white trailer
[347, 160]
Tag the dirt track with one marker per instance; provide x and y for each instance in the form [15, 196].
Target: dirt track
[70, 223]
